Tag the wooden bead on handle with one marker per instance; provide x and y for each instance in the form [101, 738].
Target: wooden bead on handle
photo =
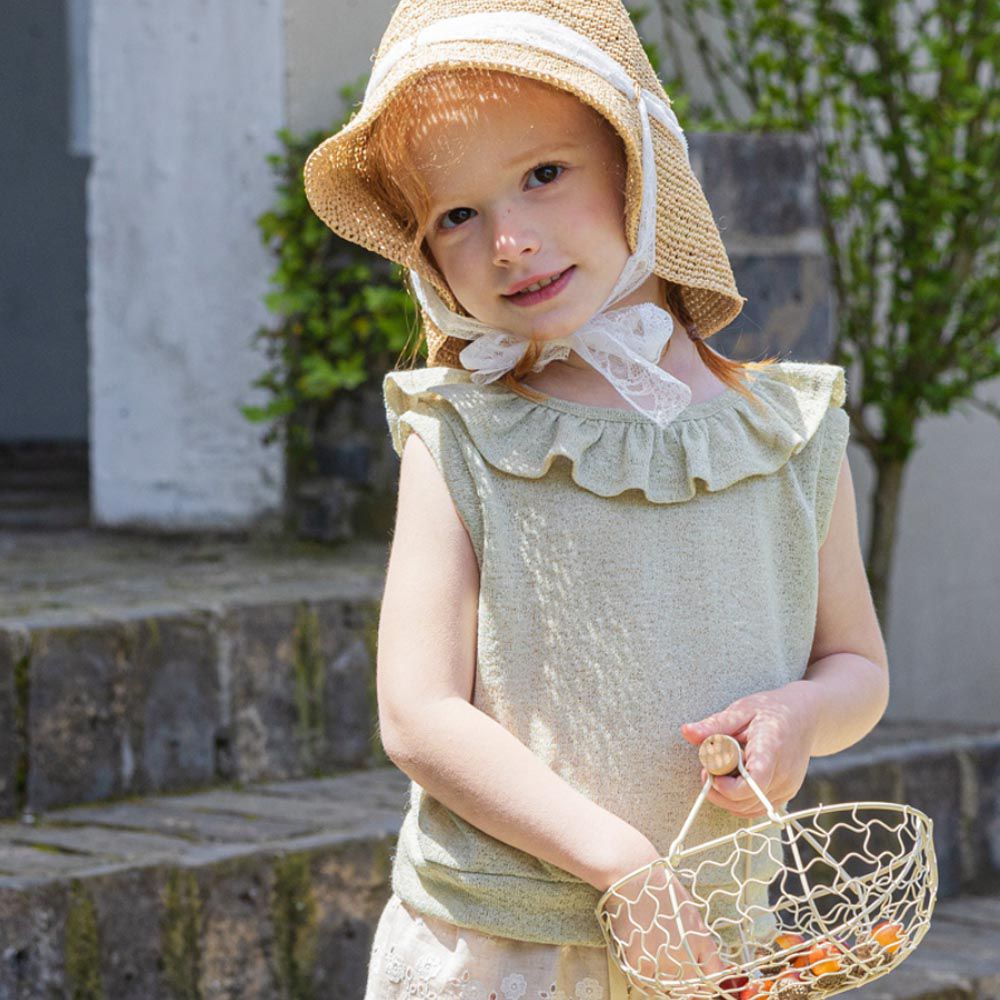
[720, 754]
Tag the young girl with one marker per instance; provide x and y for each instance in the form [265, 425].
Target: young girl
[611, 541]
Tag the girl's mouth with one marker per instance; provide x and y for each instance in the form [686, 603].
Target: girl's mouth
[550, 290]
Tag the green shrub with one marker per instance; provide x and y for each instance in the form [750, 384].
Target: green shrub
[344, 315]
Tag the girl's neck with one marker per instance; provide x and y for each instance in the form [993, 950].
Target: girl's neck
[575, 380]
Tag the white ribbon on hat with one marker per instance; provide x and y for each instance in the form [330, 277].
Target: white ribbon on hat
[625, 345]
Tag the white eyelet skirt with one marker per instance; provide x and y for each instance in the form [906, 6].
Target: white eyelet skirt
[416, 955]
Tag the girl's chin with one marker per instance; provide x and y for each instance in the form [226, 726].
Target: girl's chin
[553, 327]
[552, 324]
[555, 332]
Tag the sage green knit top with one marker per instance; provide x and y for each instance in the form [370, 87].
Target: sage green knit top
[632, 578]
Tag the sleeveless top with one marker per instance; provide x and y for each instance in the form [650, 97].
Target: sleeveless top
[632, 578]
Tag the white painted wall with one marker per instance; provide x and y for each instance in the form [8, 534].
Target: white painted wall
[186, 98]
[330, 44]
[944, 618]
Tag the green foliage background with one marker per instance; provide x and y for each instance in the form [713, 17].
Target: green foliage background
[342, 313]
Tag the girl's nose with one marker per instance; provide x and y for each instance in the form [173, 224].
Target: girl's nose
[512, 240]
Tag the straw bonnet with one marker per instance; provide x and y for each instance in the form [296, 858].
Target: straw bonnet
[588, 48]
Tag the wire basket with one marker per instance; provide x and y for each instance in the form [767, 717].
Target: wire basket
[797, 906]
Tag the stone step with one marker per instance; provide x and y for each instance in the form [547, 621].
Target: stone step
[27, 495]
[44, 485]
[43, 455]
[147, 667]
[136, 666]
[57, 513]
[269, 892]
[275, 890]
[68, 477]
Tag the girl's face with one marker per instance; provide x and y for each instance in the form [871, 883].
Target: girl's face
[534, 190]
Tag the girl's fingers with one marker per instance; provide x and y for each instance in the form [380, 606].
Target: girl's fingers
[755, 810]
[722, 803]
[735, 791]
[747, 810]
[733, 788]
[738, 793]
[730, 720]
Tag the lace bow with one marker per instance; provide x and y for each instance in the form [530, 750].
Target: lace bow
[624, 345]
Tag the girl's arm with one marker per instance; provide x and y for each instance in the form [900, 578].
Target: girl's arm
[425, 675]
[848, 673]
[842, 695]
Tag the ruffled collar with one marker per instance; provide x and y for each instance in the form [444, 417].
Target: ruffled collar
[710, 445]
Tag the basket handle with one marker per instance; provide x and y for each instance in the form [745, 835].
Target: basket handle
[722, 756]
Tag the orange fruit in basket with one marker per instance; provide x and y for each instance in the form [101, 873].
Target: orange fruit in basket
[757, 989]
[888, 935]
[823, 958]
[789, 939]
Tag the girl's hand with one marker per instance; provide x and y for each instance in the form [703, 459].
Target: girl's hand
[777, 730]
[656, 947]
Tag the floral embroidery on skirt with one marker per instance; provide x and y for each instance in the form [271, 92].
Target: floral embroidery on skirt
[416, 955]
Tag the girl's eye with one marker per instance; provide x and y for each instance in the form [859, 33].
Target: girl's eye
[456, 217]
[547, 173]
